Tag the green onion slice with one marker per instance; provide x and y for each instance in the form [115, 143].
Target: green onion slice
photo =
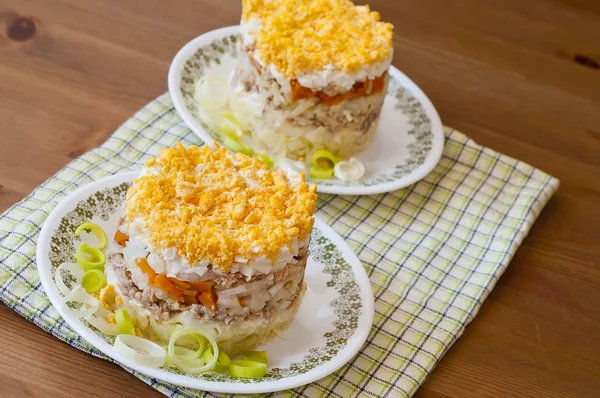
[323, 159]
[247, 369]
[90, 258]
[95, 228]
[268, 161]
[184, 364]
[237, 146]
[222, 364]
[124, 322]
[256, 356]
[93, 280]
[141, 351]
[321, 174]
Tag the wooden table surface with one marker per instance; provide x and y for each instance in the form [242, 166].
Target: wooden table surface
[521, 77]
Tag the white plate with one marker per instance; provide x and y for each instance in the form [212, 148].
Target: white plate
[331, 326]
[407, 145]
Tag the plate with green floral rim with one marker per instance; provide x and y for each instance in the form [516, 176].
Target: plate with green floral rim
[331, 325]
[407, 145]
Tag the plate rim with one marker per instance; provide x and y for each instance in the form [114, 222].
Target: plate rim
[46, 278]
[437, 129]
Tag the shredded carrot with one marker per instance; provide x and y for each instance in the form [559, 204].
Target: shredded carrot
[299, 91]
[209, 300]
[181, 284]
[146, 268]
[165, 284]
[189, 299]
[358, 90]
[202, 286]
[378, 84]
[184, 292]
[121, 238]
[242, 301]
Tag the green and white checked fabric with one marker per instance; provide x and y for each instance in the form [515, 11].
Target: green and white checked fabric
[433, 251]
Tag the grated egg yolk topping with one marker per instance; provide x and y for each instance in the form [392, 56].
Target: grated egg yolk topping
[211, 204]
[309, 35]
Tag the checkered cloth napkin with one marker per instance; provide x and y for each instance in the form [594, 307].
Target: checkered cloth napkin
[433, 251]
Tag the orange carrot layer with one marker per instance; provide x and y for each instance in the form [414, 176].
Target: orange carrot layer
[202, 286]
[209, 300]
[358, 90]
[146, 268]
[184, 292]
[121, 238]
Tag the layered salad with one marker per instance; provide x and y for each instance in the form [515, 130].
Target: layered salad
[309, 86]
[212, 239]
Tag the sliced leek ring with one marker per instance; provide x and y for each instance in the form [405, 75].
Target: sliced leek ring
[89, 305]
[267, 160]
[237, 146]
[74, 270]
[141, 351]
[320, 174]
[99, 322]
[234, 126]
[223, 361]
[323, 159]
[256, 356]
[93, 280]
[181, 363]
[211, 92]
[124, 322]
[95, 260]
[349, 170]
[97, 230]
[190, 353]
[247, 369]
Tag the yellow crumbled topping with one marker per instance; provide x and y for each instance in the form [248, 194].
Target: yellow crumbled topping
[107, 297]
[309, 35]
[211, 204]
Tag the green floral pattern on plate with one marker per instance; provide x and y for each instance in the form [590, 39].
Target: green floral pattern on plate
[404, 101]
[347, 306]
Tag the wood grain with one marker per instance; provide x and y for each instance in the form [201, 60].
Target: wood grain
[522, 77]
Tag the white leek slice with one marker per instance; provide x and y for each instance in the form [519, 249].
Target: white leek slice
[74, 270]
[98, 321]
[187, 356]
[182, 363]
[232, 125]
[211, 92]
[141, 351]
[88, 304]
[349, 170]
